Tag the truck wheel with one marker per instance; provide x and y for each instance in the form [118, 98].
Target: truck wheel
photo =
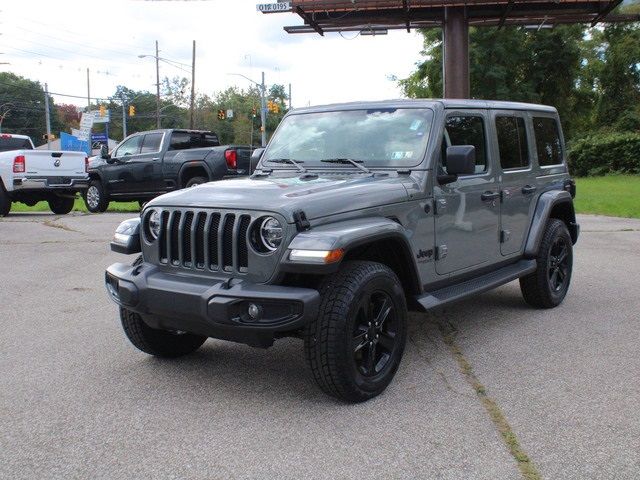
[548, 285]
[160, 343]
[61, 205]
[196, 181]
[5, 202]
[355, 344]
[95, 198]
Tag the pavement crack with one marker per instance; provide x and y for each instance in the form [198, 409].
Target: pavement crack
[56, 224]
[525, 464]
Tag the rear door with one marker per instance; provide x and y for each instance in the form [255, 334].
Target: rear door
[512, 130]
[467, 210]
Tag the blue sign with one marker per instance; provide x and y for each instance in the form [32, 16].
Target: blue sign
[72, 143]
[99, 137]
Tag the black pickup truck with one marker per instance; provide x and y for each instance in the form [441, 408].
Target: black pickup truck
[147, 164]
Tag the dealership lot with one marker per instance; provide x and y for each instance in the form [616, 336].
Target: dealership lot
[77, 401]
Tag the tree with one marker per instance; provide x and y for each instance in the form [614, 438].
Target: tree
[69, 116]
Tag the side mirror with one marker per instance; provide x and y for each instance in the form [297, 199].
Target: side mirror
[104, 152]
[255, 158]
[460, 160]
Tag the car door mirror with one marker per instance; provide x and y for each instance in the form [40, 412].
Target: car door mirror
[255, 158]
[460, 160]
[104, 152]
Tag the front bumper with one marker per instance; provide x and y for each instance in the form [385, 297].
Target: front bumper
[216, 308]
[50, 183]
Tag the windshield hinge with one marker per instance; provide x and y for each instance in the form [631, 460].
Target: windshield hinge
[300, 219]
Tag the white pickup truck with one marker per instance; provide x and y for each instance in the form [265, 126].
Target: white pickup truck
[30, 176]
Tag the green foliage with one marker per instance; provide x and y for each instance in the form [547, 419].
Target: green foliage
[605, 153]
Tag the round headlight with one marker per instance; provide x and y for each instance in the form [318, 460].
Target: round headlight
[155, 221]
[271, 233]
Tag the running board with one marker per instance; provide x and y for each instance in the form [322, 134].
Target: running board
[474, 286]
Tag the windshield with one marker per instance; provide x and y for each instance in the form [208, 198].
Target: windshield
[385, 137]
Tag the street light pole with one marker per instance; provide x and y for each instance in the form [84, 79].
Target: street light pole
[263, 112]
[193, 84]
[157, 87]
[47, 116]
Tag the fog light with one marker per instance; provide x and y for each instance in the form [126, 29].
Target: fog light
[254, 311]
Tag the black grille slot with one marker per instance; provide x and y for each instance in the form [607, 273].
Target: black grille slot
[227, 241]
[174, 247]
[163, 237]
[186, 239]
[213, 241]
[200, 223]
[243, 252]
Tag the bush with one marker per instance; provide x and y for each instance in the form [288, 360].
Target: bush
[605, 153]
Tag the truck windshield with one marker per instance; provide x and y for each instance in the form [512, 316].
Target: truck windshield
[384, 137]
[11, 143]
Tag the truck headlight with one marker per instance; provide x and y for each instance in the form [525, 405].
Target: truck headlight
[267, 234]
[152, 224]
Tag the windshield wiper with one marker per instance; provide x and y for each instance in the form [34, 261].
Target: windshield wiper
[345, 161]
[289, 160]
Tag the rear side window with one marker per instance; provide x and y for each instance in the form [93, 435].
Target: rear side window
[151, 143]
[187, 140]
[547, 141]
[467, 130]
[512, 142]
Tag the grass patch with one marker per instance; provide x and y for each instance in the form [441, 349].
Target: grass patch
[78, 207]
[613, 195]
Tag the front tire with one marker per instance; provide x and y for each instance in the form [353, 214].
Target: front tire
[355, 344]
[95, 198]
[61, 205]
[548, 285]
[159, 343]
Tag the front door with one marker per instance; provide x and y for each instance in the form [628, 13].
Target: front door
[138, 165]
[518, 185]
[468, 210]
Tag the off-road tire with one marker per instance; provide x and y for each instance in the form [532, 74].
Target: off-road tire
[192, 182]
[536, 287]
[61, 205]
[5, 201]
[160, 343]
[102, 203]
[329, 339]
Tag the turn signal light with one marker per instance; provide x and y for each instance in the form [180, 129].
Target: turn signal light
[19, 164]
[316, 256]
[231, 156]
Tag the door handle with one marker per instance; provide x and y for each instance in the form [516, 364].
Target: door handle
[489, 196]
[527, 189]
[155, 158]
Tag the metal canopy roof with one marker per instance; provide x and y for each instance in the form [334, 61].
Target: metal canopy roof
[361, 15]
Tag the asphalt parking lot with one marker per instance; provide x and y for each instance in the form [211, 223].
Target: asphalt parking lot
[78, 401]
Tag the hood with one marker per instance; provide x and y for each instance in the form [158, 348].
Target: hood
[317, 196]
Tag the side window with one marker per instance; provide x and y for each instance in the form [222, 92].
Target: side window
[467, 130]
[547, 141]
[129, 147]
[512, 142]
[180, 141]
[151, 143]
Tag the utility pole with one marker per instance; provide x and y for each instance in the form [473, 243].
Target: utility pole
[289, 96]
[47, 116]
[193, 83]
[88, 93]
[157, 87]
[124, 120]
[263, 112]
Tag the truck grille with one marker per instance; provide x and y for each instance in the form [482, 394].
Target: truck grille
[205, 240]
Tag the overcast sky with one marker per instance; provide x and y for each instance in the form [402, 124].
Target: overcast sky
[55, 42]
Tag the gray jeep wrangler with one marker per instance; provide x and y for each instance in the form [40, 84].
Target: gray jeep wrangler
[355, 214]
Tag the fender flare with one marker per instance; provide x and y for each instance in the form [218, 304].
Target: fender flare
[193, 164]
[350, 234]
[546, 203]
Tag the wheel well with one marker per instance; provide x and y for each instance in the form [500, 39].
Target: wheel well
[395, 254]
[564, 211]
[189, 173]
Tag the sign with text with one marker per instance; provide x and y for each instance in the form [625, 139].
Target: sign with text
[86, 122]
[274, 7]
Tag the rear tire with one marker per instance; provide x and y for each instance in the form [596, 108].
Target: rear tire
[95, 198]
[61, 205]
[5, 202]
[548, 285]
[196, 181]
[160, 343]
[355, 344]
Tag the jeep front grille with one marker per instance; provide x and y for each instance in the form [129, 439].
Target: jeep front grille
[205, 240]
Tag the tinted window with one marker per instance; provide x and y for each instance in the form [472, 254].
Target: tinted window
[547, 141]
[151, 143]
[512, 142]
[130, 146]
[186, 140]
[11, 143]
[467, 130]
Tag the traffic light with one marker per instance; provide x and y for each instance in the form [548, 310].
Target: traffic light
[50, 136]
[221, 114]
[132, 110]
[103, 110]
[254, 112]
